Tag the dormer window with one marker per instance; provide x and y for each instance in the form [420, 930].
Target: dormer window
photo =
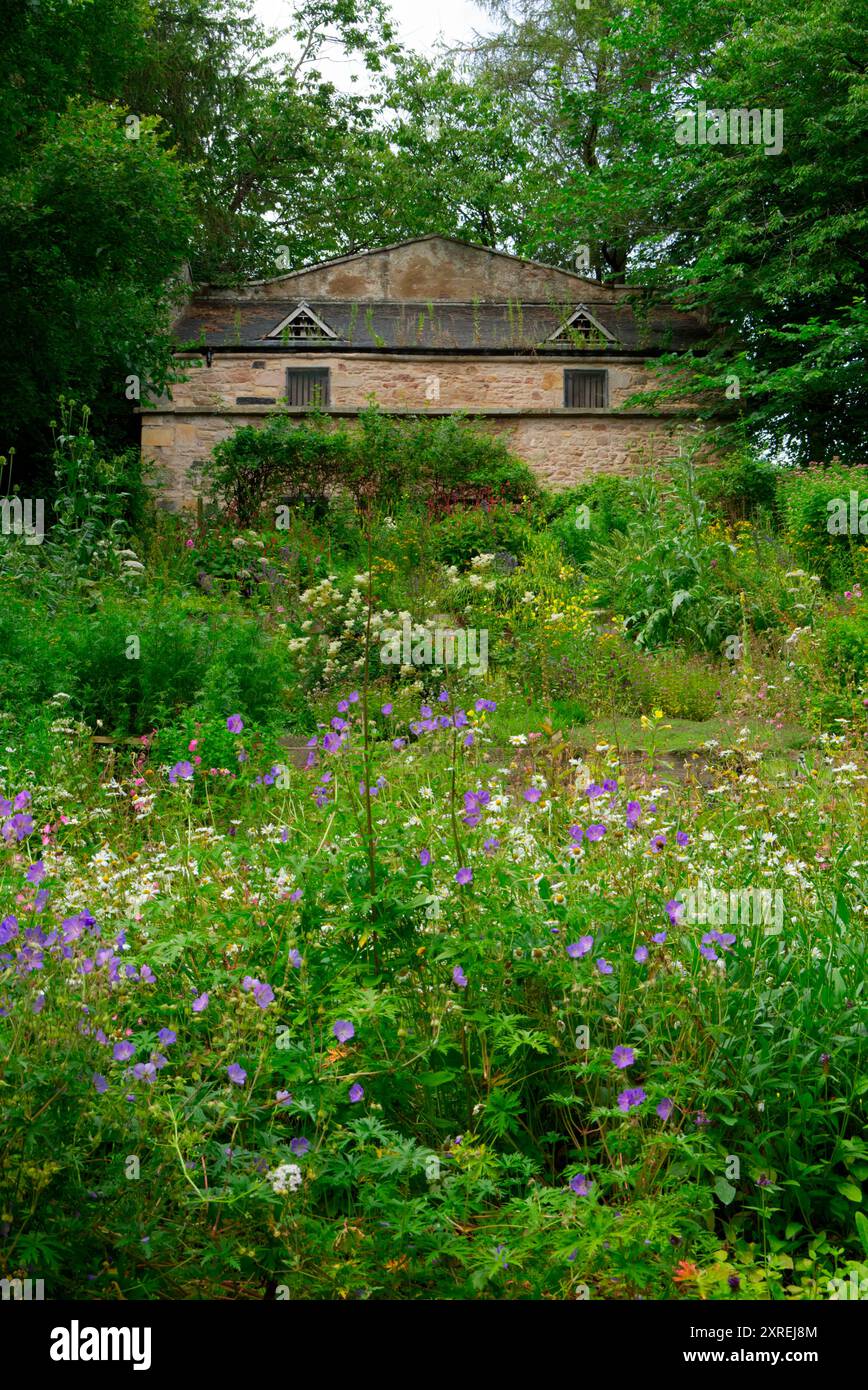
[582, 327]
[302, 323]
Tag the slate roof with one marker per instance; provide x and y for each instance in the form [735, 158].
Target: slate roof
[483, 328]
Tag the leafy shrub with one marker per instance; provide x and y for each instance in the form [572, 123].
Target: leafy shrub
[668, 578]
[741, 486]
[844, 647]
[456, 538]
[383, 460]
[129, 667]
[246, 670]
[617, 676]
[809, 501]
[591, 513]
[128, 694]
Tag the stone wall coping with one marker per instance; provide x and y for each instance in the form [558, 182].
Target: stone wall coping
[168, 412]
[545, 352]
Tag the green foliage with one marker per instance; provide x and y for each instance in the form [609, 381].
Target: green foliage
[811, 502]
[92, 227]
[743, 486]
[382, 462]
[590, 513]
[844, 647]
[470, 531]
[667, 580]
[128, 667]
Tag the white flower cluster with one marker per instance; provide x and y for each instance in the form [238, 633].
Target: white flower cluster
[130, 562]
[285, 1178]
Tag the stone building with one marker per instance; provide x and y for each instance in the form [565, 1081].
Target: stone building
[429, 326]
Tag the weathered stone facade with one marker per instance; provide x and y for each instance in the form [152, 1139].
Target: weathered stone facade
[428, 327]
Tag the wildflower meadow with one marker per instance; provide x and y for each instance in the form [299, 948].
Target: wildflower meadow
[326, 976]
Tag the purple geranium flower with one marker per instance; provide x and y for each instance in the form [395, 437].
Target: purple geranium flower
[424, 857]
[634, 813]
[623, 1057]
[532, 794]
[299, 1146]
[343, 1030]
[464, 875]
[200, 1004]
[36, 872]
[263, 994]
[19, 826]
[182, 770]
[100, 1083]
[236, 1074]
[682, 838]
[581, 1184]
[595, 832]
[284, 1098]
[640, 954]
[459, 978]
[674, 910]
[356, 1093]
[295, 959]
[167, 1036]
[630, 1099]
[235, 723]
[123, 1051]
[580, 948]
[724, 939]
[603, 966]
[664, 1109]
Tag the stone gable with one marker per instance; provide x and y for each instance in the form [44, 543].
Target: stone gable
[436, 268]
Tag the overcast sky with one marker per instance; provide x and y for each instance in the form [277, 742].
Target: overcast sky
[420, 23]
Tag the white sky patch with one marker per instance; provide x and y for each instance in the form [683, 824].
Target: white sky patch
[419, 26]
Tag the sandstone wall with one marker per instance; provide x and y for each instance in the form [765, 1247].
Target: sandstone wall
[561, 449]
[408, 383]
